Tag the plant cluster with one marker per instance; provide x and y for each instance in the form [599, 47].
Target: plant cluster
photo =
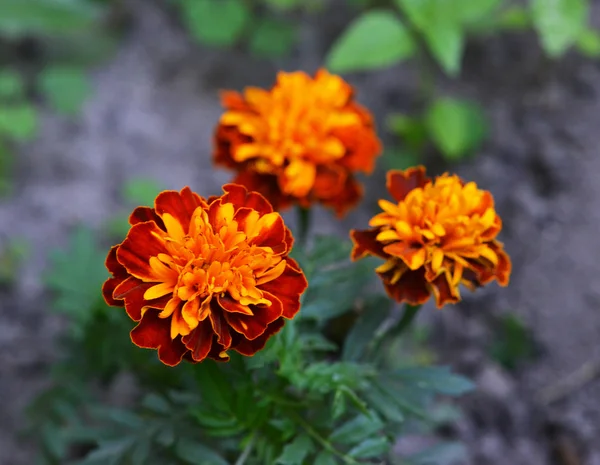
[267, 345]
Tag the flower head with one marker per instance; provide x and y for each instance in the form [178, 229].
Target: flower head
[300, 142]
[202, 277]
[436, 235]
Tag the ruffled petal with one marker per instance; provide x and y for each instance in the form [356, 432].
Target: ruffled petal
[200, 341]
[287, 288]
[412, 287]
[366, 243]
[400, 183]
[253, 326]
[143, 214]
[179, 205]
[143, 242]
[154, 333]
[250, 347]
[240, 197]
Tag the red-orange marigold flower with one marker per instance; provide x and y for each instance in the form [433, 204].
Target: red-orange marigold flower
[202, 277]
[300, 142]
[436, 235]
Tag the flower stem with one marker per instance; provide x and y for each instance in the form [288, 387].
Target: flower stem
[410, 311]
[246, 452]
[304, 219]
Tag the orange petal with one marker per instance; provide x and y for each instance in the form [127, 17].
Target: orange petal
[253, 326]
[411, 253]
[108, 289]
[141, 243]
[298, 178]
[113, 265]
[154, 333]
[158, 290]
[444, 292]
[132, 291]
[230, 305]
[400, 183]
[411, 288]
[200, 341]
[329, 181]
[220, 328]
[240, 197]
[365, 243]
[143, 214]
[287, 288]
[247, 347]
[272, 232]
[180, 205]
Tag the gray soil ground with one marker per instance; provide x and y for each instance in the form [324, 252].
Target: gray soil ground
[152, 114]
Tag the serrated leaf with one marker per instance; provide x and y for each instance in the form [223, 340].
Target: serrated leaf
[456, 127]
[559, 23]
[141, 191]
[215, 22]
[195, 453]
[376, 39]
[370, 448]
[295, 452]
[272, 38]
[357, 429]
[65, 87]
[11, 84]
[437, 379]
[18, 121]
[25, 17]
[364, 329]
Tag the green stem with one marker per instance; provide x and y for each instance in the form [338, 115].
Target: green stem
[324, 442]
[246, 452]
[304, 219]
[410, 311]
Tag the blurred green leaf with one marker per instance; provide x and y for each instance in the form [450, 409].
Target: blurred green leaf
[65, 87]
[295, 452]
[24, 17]
[195, 453]
[470, 12]
[397, 159]
[18, 121]
[272, 38]
[11, 84]
[588, 43]
[215, 22]
[513, 342]
[6, 166]
[436, 379]
[363, 331]
[447, 453]
[369, 448]
[325, 458]
[141, 191]
[443, 31]
[514, 18]
[284, 4]
[410, 130]
[113, 451]
[384, 404]
[559, 23]
[457, 127]
[357, 429]
[76, 275]
[376, 39]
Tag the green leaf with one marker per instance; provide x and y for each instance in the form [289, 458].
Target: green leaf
[197, 454]
[295, 452]
[215, 22]
[272, 38]
[364, 329]
[11, 84]
[325, 458]
[384, 404]
[19, 121]
[397, 159]
[441, 27]
[76, 276]
[108, 452]
[215, 388]
[588, 43]
[141, 191]
[470, 12]
[65, 87]
[369, 448]
[514, 18]
[559, 23]
[25, 17]
[437, 379]
[376, 39]
[456, 127]
[357, 429]
[410, 130]
[446, 453]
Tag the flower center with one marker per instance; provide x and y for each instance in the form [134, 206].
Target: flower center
[214, 258]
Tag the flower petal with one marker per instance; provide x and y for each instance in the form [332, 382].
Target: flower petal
[200, 341]
[240, 197]
[154, 333]
[253, 326]
[298, 178]
[287, 288]
[444, 292]
[411, 288]
[220, 327]
[231, 305]
[132, 291]
[400, 183]
[250, 347]
[143, 214]
[411, 253]
[180, 205]
[143, 242]
[366, 243]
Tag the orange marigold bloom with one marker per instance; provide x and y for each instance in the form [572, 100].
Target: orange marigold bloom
[202, 277]
[436, 235]
[300, 142]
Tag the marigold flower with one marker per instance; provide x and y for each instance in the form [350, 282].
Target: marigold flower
[436, 235]
[300, 142]
[202, 277]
